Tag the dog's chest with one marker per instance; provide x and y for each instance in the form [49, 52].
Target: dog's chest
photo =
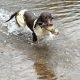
[40, 32]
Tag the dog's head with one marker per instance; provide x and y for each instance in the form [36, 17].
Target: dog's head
[45, 21]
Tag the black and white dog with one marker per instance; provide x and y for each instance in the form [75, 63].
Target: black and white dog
[40, 26]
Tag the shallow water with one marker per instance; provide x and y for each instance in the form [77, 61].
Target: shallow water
[58, 59]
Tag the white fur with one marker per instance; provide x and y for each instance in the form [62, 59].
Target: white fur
[56, 31]
[40, 32]
[20, 18]
[15, 29]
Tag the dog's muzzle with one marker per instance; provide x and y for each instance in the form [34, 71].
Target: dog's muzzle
[52, 30]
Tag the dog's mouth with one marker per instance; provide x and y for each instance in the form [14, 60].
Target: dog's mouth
[52, 30]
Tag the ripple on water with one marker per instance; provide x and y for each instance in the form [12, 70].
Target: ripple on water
[63, 50]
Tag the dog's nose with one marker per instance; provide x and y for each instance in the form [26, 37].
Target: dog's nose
[49, 23]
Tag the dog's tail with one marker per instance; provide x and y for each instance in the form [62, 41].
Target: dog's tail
[14, 14]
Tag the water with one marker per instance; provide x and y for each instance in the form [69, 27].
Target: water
[58, 59]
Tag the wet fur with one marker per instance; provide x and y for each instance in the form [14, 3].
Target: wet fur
[25, 18]
[35, 24]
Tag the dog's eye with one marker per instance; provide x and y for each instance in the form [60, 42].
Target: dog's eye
[46, 17]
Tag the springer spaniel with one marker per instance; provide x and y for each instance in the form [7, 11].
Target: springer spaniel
[40, 26]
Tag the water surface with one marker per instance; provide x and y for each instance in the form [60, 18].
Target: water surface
[58, 59]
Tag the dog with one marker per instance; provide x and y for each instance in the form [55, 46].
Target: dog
[39, 26]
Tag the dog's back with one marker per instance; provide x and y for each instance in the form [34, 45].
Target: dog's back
[23, 18]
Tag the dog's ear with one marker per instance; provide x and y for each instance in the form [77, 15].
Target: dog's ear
[38, 23]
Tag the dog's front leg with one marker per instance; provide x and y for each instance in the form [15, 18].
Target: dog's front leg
[34, 37]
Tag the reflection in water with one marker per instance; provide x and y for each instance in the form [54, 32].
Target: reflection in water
[43, 72]
[42, 68]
